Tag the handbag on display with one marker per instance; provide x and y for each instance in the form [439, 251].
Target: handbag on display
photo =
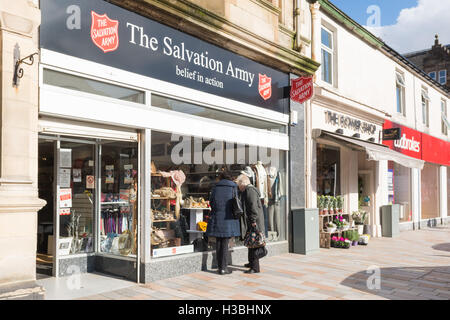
[260, 252]
[254, 238]
[236, 208]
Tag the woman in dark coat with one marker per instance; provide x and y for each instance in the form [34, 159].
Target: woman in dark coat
[221, 224]
[254, 216]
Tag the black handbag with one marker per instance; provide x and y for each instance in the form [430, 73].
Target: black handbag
[260, 252]
[236, 209]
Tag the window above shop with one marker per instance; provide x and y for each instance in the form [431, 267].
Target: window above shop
[327, 55]
[425, 108]
[443, 76]
[210, 113]
[72, 82]
[400, 93]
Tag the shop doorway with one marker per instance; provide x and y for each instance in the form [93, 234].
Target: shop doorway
[90, 220]
[46, 185]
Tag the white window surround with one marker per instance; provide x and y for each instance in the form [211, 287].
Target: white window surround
[400, 83]
[444, 115]
[330, 51]
[133, 115]
[425, 102]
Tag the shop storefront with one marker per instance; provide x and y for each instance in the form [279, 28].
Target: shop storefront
[421, 194]
[352, 169]
[136, 122]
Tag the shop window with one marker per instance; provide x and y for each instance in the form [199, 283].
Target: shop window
[425, 108]
[399, 189]
[328, 170]
[444, 127]
[210, 113]
[327, 55]
[400, 93]
[68, 81]
[448, 191]
[430, 191]
[184, 172]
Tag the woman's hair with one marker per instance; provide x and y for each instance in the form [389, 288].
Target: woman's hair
[242, 180]
[225, 175]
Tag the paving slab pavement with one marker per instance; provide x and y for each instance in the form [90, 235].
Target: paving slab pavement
[414, 265]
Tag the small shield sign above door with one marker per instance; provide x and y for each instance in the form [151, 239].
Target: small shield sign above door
[105, 32]
[302, 89]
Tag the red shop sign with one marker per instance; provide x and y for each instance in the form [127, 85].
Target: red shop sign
[302, 89]
[419, 145]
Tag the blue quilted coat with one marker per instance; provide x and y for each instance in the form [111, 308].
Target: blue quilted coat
[221, 223]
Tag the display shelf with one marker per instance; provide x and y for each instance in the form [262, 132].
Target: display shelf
[196, 208]
[164, 198]
[115, 202]
[165, 220]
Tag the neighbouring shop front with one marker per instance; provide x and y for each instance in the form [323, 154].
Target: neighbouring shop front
[422, 194]
[136, 122]
[349, 170]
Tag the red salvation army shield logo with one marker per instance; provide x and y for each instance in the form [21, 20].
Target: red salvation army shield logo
[104, 32]
[265, 86]
[302, 89]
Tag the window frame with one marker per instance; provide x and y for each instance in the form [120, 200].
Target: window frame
[400, 86]
[425, 108]
[330, 51]
[432, 77]
[444, 112]
[444, 77]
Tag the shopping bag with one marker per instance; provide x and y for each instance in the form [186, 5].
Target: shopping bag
[254, 238]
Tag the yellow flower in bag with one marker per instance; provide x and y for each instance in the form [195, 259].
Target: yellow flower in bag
[202, 225]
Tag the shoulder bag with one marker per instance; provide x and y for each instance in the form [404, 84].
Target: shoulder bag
[236, 209]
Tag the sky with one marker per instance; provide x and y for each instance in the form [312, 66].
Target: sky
[405, 25]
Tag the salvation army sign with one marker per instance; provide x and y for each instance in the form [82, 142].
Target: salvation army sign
[104, 33]
[302, 89]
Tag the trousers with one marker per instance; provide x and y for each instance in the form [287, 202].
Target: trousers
[274, 217]
[254, 262]
[222, 252]
[266, 219]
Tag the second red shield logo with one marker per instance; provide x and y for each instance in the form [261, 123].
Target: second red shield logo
[105, 32]
[265, 86]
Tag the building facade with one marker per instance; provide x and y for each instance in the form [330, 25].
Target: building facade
[435, 62]
[363, 87]
[132, 111]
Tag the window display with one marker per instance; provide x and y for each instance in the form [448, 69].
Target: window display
[76, 199]
[184, 172]
[430, 191]
[118, 203]
[399, 186]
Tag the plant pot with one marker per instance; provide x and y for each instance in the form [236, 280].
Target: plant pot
[360, 229]
[331, 211]
[331, 230]
[320, 211]
[366, 229]
[354, 243]
[325, 211]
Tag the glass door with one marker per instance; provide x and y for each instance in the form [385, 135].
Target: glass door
[118, 198]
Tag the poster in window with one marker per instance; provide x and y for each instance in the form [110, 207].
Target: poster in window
[65, 158]
[90, 182]
[109, 174]
[64, 178]
[65, 198]
[76, 175]
[128, 174]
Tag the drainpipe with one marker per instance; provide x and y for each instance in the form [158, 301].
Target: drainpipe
[297, 12]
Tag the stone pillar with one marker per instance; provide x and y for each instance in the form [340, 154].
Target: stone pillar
[315, 30]
[381, 195]
[19, 202]
[415, 197]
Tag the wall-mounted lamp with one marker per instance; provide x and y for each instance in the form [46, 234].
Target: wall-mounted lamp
[18, 71]
[340, 131]
[371, 139]
[357, 135]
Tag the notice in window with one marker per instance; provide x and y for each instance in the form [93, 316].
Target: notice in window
[65, 198]
[64, 178]
[65, 158]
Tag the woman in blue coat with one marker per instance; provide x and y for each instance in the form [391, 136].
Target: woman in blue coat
[221, 224]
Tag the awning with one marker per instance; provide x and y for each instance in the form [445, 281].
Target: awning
[375, 152]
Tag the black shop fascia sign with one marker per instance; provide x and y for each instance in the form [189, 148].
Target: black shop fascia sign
[98, 31]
